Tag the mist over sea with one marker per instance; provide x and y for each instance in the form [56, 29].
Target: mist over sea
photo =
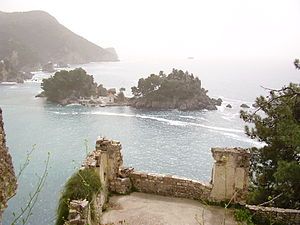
[170, 142]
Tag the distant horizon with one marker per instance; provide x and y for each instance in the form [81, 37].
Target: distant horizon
[215, 30]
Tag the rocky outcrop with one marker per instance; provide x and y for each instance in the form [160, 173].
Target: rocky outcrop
[8, 180]
[228, 106]
[9, 72]
[196, 103]
[245, 106]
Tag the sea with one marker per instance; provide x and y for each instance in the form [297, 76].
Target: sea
[168, 142]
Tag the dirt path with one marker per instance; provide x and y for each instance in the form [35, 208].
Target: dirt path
[146, 209]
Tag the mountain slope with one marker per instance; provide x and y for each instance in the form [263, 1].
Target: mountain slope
[38, 38]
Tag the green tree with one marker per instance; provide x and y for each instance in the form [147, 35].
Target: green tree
[275, 168]
[102, 91]
[69, 84]
[177, 84]
[122, 89]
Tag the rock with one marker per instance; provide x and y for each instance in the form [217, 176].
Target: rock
[217, 102]
[244, 106]
[228, 106]
[8, 180]
[41, 95]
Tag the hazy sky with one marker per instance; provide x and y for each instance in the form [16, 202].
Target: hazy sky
[155, 29]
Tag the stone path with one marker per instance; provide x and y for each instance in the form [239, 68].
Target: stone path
[147, 209]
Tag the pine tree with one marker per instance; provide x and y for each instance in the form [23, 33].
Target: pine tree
[275, 168]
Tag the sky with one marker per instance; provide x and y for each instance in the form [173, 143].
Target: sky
[173, 29]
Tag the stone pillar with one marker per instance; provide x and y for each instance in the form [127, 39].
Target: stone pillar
[230, 177]
[111, 161]
[8, 180]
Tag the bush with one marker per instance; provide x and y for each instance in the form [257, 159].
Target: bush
[243, 215]
[82, 185]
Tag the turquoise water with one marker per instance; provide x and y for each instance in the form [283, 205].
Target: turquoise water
[156, 141]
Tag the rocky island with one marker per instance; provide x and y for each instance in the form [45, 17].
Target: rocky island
[178, 90]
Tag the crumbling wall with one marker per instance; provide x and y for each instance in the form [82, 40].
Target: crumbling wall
[8, 180]
[275, 215]
[106, 160]
[230, 177]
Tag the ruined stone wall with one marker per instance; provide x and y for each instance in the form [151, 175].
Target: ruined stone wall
[275, 215]
[8, 181]
[106, 160]
[229, 181]
[230, 177]
[168, 185]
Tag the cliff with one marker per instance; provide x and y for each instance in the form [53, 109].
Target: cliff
[36, 37]
[8, 180]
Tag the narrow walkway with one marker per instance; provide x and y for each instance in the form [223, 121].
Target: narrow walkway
[147, 209]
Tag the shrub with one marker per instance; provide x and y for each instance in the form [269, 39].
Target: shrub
[82, 185]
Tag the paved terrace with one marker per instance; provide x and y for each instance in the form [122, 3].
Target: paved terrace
[147, 209]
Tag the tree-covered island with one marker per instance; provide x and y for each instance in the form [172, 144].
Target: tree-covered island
[76, 86]
[178, 90]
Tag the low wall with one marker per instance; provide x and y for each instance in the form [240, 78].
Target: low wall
[168, 185]
[275, 215]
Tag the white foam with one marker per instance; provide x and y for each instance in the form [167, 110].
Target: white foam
[73, 104]
[243, 139]
[110, 114]
[163, 120]
[195, 118]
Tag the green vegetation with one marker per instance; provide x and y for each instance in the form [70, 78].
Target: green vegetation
[177, 84]
[244, 216]
[179, 89]
[82, 185]
[68, 85]
[275, 168]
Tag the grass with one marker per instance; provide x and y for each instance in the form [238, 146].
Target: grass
[82, 185]
[244, 216]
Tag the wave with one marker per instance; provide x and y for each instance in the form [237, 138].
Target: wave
[170, 122]
[73, 104]
[163, 120]
[110, 114]
[195, 118]
[66, 113]
[243, 139]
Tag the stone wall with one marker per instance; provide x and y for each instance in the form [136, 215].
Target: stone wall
[168, 185]
[229, 181]
[275, 215]
[8, 181]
